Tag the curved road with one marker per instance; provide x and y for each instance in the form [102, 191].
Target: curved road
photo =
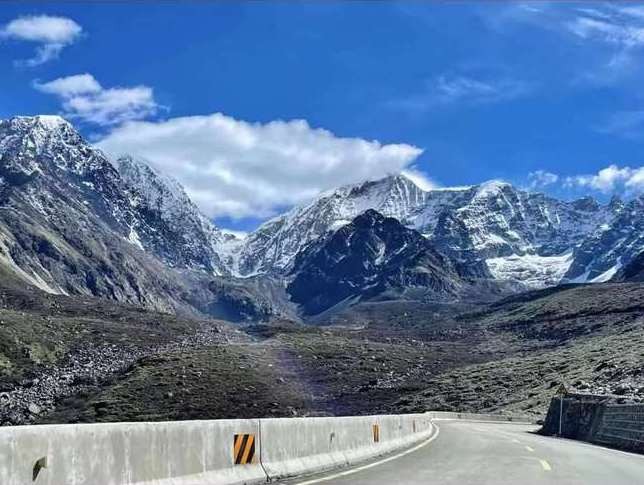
[468, 452]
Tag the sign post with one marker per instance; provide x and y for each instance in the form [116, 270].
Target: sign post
[561, 392]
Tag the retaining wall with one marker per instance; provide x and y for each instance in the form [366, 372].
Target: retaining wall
[597, 420]
[203, 452]
[621, 426]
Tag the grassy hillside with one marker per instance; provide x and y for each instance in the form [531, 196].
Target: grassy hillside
[374, 357]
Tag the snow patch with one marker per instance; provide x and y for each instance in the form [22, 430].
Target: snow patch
[133, 238]
[531, 269]
[241, 235]
[608, 274]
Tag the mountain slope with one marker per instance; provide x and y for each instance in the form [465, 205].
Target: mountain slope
[71, 224]
[274, 245]
[190, 235]
[365, 258]
[633, 271]
[611, 246]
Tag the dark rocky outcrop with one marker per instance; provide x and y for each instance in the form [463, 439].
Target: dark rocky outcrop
[363, 259]
[633, 271]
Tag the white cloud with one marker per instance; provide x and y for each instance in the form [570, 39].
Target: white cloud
[603, 22]
[445, 90]
[52, 33]
[419, 178]
[606, 37]
[235, 168]
[616, 33]
[542, 178]
[609, 31]
[610, 179]
[84, 98]
[70, 85]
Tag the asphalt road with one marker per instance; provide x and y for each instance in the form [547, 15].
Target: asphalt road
[491, 453]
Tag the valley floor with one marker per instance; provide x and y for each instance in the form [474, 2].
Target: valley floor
[119, 363]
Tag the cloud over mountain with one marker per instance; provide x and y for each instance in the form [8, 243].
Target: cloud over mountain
[84, 98]
[608, 180]
[611, 179]
[236, 168]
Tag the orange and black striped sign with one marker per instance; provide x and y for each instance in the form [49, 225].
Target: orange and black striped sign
[244, 449]
[376, 433]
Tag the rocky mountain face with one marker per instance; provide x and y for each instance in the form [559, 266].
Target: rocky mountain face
[523, 236]
[371, 255]
[70, 223]
[633, 271]
[191, 239]
[610, 246]
[274, 245]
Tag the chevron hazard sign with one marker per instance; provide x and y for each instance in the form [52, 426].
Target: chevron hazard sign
[244, 449]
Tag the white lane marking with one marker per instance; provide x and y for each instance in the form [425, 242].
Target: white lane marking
[531, 450]
[516, 441]
[546, 466]
[371, 465]
[592, 445]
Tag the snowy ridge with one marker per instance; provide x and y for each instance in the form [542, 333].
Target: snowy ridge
[196, 236]
[611, 245]
[524, 236]
[74, 205]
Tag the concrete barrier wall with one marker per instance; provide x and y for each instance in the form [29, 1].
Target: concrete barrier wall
[187, 452]
[324, 443]
[203, 452]
[482, 417]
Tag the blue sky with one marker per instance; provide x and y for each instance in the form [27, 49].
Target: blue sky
[544, 95]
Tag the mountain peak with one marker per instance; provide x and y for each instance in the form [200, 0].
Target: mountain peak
[48, 123]
[194, 237]
[368, 218]
[37, 133]
[160, 190]
[492, 187]
[370, 255]
[586, 203]
[51, 121]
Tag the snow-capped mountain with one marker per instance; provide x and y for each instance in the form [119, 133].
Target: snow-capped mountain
[523, 236]
[70, 223]
[611, 245]
[274, 245]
